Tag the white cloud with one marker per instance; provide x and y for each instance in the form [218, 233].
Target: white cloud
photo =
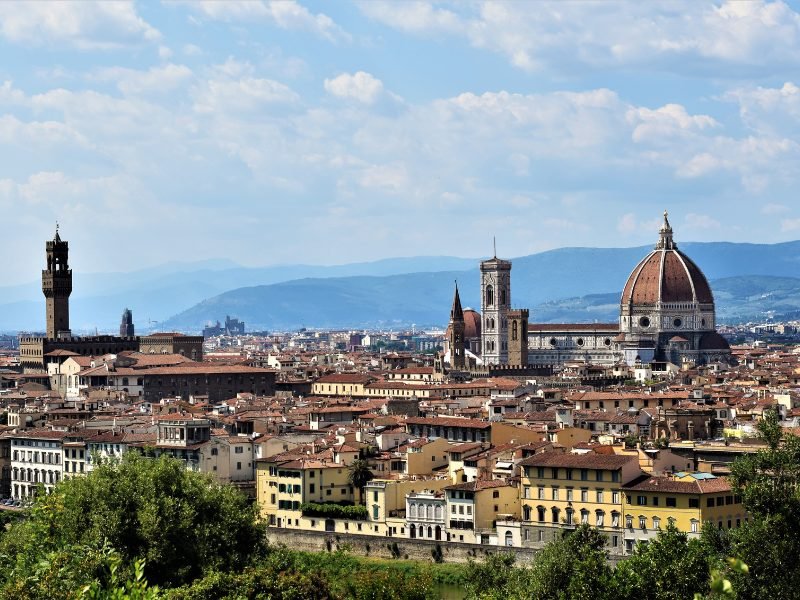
[666, 121]
[532, 35]
[286, 14]
[159, 79]
[359, 86]
[83, 25]
[789, 225]
[774, 209]
[697, 221]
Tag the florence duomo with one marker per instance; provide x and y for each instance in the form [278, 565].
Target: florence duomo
[666, 316]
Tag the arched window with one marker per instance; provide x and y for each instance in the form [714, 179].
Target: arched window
[502, 296]
[600, 517]
[556, 512]
[489, 295]
[509, 539]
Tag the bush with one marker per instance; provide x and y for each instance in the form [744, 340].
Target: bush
[334, 511]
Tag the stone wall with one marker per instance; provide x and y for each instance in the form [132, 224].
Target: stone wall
[388, 547]
[394, 547]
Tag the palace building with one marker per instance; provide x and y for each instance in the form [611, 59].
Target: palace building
[666, 315]
[59, 343]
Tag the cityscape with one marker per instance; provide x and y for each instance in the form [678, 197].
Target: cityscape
[386, 367]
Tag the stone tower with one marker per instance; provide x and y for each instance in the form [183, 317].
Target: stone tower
[458, 359]
[57, 286]
[518, 337]
[126, 325]
[495, 304]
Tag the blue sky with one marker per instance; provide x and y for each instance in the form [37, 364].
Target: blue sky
[331, 132]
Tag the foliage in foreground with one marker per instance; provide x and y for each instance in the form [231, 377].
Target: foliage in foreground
[179, 523]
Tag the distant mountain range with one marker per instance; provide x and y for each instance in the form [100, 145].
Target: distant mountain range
[568, 284]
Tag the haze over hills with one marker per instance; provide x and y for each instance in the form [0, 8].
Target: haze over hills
[155, 294]
[567, 284]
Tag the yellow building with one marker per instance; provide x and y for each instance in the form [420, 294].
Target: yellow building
[686, 499]
[424, 456]
[474, 508]
[564, 490]
[282, 485]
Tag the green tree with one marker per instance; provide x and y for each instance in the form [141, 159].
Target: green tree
[179, 522]
[358, 476]
[767, 482]
[669, 567]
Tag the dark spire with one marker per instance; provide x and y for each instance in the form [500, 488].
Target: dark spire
[665, 235]
[57, 238]
[456, 313]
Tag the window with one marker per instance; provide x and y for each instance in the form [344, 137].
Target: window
[599, 496]
[540, 472]
[496, 494]
[584, 474]
[672, 502]
[554, 472]
[214, 452]
[584, 517]
[599, 475]
[541, 492]
[629, 521]
[615, 498]
[555, 493]
[615, 476]
[569, 494]
[239, 467]
[584, 495]
[239, 449]
[641, 500]
[615, 519]
[695, 525]
[694, 502]
[656, 523]
[311, 488]
[599, 517]
[642, 522]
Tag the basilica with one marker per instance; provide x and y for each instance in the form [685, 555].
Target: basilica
[666, 316]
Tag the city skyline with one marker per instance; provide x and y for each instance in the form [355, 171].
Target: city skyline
[280, 133]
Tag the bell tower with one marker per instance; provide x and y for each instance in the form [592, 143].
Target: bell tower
[495, 304]
[457, 353]
[57, 286]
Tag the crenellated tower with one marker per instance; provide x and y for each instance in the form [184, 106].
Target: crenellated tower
[57, 287]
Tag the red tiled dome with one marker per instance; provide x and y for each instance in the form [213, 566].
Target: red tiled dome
[666, 275]
[472, 324]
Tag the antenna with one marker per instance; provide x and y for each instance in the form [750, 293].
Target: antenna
[494, 244]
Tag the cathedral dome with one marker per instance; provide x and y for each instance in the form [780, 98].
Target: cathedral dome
[472, 324]
[666, 275]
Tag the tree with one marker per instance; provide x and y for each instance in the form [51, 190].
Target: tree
[670, 567]
[358, 476]
[767, 482]
[572, 567]
[179, 522]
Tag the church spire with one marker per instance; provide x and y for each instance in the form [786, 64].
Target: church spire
[456, 313]
[665, 235]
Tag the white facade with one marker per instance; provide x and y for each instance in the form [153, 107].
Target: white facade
[36, 458]
[495, 304]
[425, 515]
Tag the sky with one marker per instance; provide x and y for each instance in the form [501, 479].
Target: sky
[333, 132]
